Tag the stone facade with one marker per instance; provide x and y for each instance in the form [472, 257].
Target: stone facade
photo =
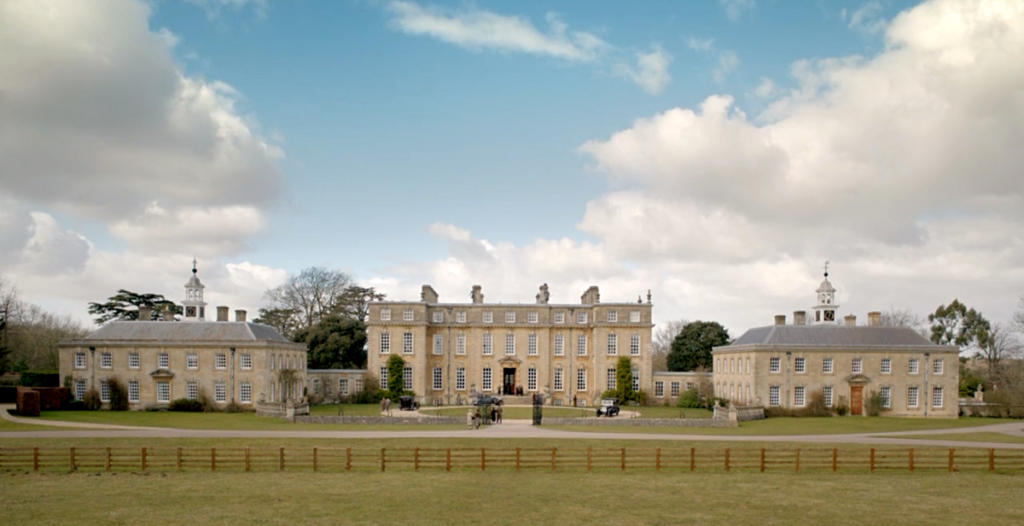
[785, 365]
[669, 386]
[561, 351]
[160, 361]
[335, 384]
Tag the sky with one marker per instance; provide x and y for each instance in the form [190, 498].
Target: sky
[716, 153]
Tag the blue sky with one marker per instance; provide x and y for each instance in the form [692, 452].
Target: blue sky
[453, 134]
[716, 152]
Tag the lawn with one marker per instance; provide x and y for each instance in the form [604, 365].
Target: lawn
[515, 413]
[226, 421]
[11, 426]
[971, 437]
[429, 498]
[808, 426]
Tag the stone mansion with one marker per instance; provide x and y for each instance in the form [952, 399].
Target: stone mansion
[563, 352]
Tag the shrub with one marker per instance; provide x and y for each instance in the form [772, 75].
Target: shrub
[816, 406]
[186, 405]
[91, 400]
[874, 405]
[842, 408]
[40, 379]
[610, 393]
[118, 395]
[690, 399]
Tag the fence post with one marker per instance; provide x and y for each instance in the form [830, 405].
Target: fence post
[108, 459]
[348, 459]
[554, 453]
[35, 459]
[726, 460]
[448, 461]
[623, 459]
[657, 459]
[991, 459]
[281, 460]
[383, 458]
[693, 458]
[911, 458]
[517, 460]
[762, 460]
[179, 458]
[143, 458]
[213, 459]
[316, 460]
[483, 459]
[247, 466]
[416, 459]
[73, 466]
[589, 465]
[798, 460]
[950, 460]
[872, 460]
[835, 459]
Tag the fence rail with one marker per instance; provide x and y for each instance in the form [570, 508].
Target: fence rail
[342, 459]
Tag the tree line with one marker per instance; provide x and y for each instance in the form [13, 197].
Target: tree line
[29, 334]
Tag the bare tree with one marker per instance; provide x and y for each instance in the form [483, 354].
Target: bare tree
[313, 293]
[662, 343]
[1000, 345]
[8, 302]
[895, 317]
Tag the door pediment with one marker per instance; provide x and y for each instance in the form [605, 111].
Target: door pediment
[858, 379]
[510, 361]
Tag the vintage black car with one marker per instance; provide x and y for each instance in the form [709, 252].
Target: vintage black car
[609, 407]
[487, 400]
[406, 403]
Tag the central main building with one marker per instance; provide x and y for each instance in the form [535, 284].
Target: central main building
[564, 352]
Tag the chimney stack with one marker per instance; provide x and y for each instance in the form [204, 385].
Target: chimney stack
[222, 313]
[850, 320]
[477, 294]
[145, 313]
[429, 295]
[240, 315]
[168, 315]
[874, 319]
[800, 318]
[780, 319]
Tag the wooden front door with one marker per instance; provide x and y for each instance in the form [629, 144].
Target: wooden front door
[856, 400]
[509, 380]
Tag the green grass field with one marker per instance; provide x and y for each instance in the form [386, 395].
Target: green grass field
[429, 498]
[972, 437]
[808, 426]
[226, 421]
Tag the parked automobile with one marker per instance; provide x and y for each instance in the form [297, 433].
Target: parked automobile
[609, 407]
[406, 403]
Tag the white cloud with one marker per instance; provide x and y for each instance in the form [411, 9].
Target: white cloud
[477, 29]
[98, 123]
[449, 232]
[480, 30]
[866, 18]
[107, 123]
[214, 8]
[735, 9]
[766, 89]
[902, 169]
[697, 44]
[219, 231]
[651, 70]
[728, 61]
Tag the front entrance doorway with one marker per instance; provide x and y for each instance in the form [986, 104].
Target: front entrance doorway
[856, 400]
[508, 382]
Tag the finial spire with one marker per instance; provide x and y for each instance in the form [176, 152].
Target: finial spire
[194, 265]
[826, 269]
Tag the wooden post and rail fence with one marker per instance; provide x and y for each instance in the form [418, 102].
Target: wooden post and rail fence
[622, 459]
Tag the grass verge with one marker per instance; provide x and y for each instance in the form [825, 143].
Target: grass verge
[1001, 438]
[806, 426]
[429, 498]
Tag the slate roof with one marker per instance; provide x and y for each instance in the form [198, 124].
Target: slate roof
[156, 331]
[832, 336]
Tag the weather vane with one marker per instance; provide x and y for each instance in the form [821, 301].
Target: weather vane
[826, 269]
